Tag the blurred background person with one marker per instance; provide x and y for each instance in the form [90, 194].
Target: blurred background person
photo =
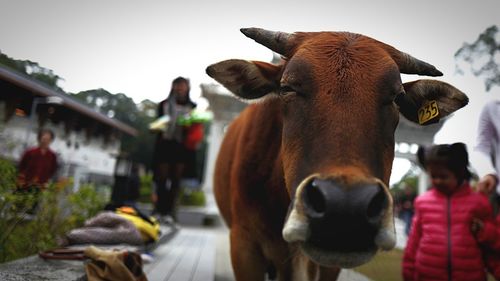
[170, 154]
[37, 167]
[441, 242]
[133, 186]
[487, 150]
[405, 206]
[39, 164]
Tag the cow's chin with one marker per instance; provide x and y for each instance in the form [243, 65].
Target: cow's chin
[332, 258]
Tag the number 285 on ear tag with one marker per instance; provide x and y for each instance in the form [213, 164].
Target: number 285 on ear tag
[428, 111]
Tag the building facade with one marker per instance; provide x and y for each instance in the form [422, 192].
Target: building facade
[86, 141]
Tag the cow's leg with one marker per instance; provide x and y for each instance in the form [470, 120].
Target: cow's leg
[285, 272]
[281, 258]
[246, 256]
[328, 273]
[303, 269]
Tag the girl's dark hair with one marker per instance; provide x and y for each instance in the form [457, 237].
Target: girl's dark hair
[42, 132]
[453, 156]
[178, 80]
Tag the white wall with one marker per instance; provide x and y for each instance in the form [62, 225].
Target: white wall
[73, 148]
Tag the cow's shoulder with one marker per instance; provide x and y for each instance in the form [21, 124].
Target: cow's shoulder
[256, 137]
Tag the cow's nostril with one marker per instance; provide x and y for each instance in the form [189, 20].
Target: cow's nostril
[315, 199]
[376, 206]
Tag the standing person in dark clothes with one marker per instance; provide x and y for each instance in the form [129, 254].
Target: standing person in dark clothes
[405, 204]
[170, 153]
[133, 186]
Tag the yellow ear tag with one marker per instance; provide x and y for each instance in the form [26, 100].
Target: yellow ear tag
[428, 111]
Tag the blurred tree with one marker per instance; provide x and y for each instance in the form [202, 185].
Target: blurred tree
[121, 107]
[14, 64]
[33, 69]
[118, 106]
[483, 56]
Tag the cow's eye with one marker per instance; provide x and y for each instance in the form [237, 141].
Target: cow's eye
[394, 98]
[399, 96]
[286, 90]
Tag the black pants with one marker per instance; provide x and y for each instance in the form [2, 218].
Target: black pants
[170, 160]
[167, 181]
[167, 197]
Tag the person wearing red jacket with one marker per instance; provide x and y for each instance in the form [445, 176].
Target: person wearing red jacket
[441, 245]
[488, 236]
[38, 164]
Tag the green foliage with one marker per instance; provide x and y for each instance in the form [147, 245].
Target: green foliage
[33, 69]
[57, 211]
[7, 176]
[193, 198]
[117, 106]
[84, 204]
[11, 63]
[120, 107]
[407, 180]
[410, 181]
[146, 188]
[481, 55]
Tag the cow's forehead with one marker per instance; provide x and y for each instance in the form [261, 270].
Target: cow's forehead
[299, 74]
[327, 58]
[318, 40]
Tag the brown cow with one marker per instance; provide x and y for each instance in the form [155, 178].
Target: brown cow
[301, 178]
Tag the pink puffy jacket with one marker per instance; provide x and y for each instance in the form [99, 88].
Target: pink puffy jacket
[441, 245]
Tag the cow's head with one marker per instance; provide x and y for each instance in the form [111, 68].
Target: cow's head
[341, 96]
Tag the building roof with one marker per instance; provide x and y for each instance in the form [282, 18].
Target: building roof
[38, 88]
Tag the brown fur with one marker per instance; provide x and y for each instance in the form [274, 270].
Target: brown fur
[337, 121]
[251, 182]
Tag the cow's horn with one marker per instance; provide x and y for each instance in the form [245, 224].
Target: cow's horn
[274, 40]
[410, 65]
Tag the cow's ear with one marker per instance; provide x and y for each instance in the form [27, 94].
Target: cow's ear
[246, 79]
[427, 101]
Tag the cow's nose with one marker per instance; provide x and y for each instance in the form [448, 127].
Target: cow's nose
[345, 212]
[326, 199]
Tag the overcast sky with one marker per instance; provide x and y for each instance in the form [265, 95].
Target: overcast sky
[138, 47]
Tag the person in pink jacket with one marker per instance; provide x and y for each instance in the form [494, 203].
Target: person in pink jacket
[441, 245]
[488, 236]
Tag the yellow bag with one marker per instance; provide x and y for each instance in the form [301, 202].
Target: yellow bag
[149, 230]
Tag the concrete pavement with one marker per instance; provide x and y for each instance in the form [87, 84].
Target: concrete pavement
[224, 272]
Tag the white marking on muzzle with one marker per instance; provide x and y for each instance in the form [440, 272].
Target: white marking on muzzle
[296, 228]
[386, 236]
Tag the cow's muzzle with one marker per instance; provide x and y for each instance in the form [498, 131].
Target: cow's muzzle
[335, 219]
[343, 219]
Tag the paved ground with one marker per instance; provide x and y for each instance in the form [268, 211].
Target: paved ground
[223, 269]
[189, 256]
